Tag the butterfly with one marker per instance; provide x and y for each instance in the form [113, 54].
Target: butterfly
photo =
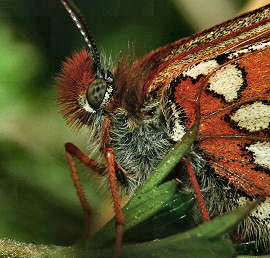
[137, 110]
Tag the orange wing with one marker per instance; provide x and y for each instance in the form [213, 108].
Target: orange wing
[221, 76]
[234, 131]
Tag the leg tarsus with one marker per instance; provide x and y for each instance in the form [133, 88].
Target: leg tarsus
[118, 240]
[119, 216]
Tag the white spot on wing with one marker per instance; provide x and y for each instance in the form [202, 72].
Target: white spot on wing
[178, 130]
[261, 153]
[253, 117]
[227, 82]
[203, 68]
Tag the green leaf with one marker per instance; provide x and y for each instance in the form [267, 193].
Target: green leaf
[194, 247]
[220, 225]
[172, 218]
[139, 209]
[186, 248]
[203, 241]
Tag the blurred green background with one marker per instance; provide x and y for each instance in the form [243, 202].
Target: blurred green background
[37, 200]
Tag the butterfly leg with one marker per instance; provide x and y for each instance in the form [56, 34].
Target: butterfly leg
[197, 190]
[70, 151]
[110, 159]
[119, 216]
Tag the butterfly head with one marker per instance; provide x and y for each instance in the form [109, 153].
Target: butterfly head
[84, 89]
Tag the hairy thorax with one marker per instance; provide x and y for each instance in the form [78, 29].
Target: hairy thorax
[139, 146]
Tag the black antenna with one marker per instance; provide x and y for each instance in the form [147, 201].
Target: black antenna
[80, 23]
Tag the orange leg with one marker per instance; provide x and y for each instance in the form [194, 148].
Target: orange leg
[119, 216]
[72, 150]
[197, 190]
[110, 158]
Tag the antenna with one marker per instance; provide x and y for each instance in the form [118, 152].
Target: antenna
[80, 23]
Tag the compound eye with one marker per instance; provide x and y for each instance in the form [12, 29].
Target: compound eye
[96, 92]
